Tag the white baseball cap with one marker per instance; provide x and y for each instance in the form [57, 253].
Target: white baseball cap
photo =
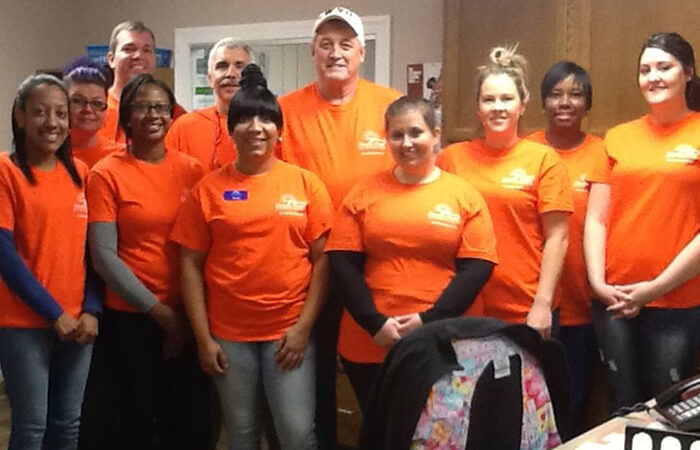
[344, 15]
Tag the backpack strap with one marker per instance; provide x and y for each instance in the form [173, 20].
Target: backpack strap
[496, 412]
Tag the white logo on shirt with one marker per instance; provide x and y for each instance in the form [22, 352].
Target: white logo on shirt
[290, 206]
[684, 154]
[443, 216]
[517, 179]
[80, 208]
[580, 185]
[371, 144]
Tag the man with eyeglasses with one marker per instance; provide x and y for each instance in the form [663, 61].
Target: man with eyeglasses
[132, 51]
[335, 128]
[203, 134]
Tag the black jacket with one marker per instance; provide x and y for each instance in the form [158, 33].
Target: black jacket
[419, 360]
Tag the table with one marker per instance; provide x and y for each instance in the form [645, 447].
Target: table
[610, 434]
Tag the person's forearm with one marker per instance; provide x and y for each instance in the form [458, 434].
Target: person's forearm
[194, 298]
[348, 270]
[684, 267]
[594, 237]
[92, 303]
[462, 290]
[318, 288]
[22, 281]
[595, 233]
[553, 255]
[119, 277]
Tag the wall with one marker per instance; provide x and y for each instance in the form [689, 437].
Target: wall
[33, 34]
[60, 29]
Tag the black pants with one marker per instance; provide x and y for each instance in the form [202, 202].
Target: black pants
[139, 401]
[326, 339]
[361, 376]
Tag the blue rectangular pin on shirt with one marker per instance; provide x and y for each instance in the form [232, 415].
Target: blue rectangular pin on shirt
[235, 195]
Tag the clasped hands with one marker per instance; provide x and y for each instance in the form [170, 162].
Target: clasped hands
[625, 301]
[395, 328]
[82, 330]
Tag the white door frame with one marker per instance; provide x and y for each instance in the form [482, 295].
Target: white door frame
[376, 27]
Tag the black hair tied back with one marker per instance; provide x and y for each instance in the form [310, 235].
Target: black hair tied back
[252, 77]
[254, 99]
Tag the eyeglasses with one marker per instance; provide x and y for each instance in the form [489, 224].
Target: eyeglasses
[82, 102]
[160, 109]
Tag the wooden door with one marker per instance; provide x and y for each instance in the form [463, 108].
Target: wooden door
[604, 36]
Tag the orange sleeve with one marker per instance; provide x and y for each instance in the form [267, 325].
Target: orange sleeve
[602, 166]
[444, 161]
[554, 192]
[478, 239]
[7, 211]
[346, 233]
[609, 144]
[320, 209]
[190, 228]
[173, 138]
[101, 199]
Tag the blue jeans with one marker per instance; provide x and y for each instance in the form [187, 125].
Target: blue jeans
[646, 354]
[45, 381]
[290, 394]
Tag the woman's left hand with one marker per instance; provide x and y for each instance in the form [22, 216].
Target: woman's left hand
[291, 347]
[87, 329]
[408, 323]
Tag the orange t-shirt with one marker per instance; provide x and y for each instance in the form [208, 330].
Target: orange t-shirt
[519, 184]
[654, 203]
[339, 143]
[49, 221]
[587, 163]
[203, 134]
[111, 129]
[143, 199]
[90, 155]
[411, 235]
[256, 231]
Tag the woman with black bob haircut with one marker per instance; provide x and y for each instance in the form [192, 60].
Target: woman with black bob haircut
[87, 83]
[160, 397]
[641, 236]
[48, 319]
[260, 225]
[567, 96]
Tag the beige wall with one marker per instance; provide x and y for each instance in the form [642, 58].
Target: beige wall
[33, 34]
[53, 31]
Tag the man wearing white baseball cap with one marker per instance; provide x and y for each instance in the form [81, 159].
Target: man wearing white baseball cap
[335, 128]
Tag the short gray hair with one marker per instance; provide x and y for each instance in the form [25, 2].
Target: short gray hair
[227, 42]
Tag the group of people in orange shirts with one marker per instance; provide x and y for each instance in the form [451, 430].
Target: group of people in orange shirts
[246, 243]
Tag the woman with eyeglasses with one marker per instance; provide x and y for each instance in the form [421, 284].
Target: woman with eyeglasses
[87, 85]
[134, 197]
